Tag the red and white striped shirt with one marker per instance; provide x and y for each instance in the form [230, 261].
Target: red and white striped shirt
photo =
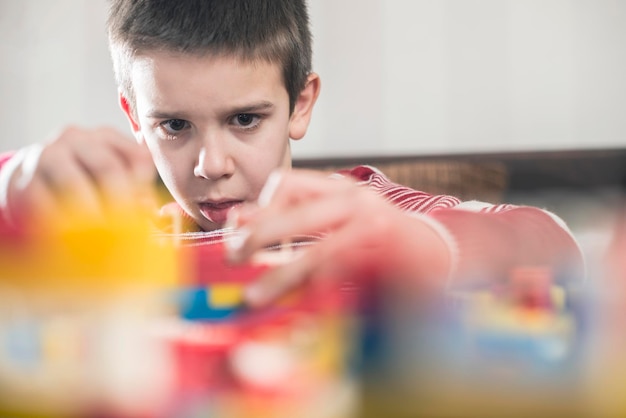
[478, 234]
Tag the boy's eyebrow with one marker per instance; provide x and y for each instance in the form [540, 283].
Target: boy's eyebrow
[249, 108]
[254, 107]
[157, 114]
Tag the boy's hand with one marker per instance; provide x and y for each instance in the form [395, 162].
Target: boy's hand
[79, 172]
[367, 237]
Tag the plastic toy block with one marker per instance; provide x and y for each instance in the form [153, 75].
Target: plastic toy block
[205, 265]
[195, 306]
[558, 296]
[225, 295]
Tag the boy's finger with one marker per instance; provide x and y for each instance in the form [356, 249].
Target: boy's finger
[136, 157]
[142, 171]
[274, 224]
[143, 167]
[125, 146]
[109, 173]
[287, 188]
[121, 169]
[279, 280]
[35, 200]
[72, 186]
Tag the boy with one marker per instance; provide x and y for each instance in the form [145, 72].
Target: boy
[213, 92]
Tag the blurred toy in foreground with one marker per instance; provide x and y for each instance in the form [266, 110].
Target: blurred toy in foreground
[278, 361]
[88, 330]
[77, 300]
[109, 320]
[510, 348]
[607, 363]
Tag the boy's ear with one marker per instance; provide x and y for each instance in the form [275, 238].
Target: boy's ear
[303, 109]
[134, 125]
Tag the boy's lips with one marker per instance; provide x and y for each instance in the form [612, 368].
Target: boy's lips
[217, 212]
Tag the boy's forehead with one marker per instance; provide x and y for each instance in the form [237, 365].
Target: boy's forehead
[160, 63]
[174, 75]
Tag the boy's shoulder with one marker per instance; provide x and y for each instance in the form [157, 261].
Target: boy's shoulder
[404, 197]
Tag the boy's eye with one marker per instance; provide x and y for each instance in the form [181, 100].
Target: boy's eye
[172, 128]
[246, 120]
[175, 125]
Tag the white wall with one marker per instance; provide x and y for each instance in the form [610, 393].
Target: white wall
[431, 76]
[399, 76]
[55, 69]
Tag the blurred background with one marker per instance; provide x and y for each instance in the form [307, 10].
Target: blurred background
[399, 76]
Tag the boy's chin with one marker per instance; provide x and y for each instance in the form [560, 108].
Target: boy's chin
[215, 216]
[208, 226]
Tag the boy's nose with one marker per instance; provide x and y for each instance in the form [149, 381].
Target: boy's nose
[213, 163]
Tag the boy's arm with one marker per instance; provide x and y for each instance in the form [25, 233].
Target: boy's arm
[487, 245]
[367, 236]
[482, 234]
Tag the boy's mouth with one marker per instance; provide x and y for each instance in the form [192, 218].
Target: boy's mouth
[217, 212]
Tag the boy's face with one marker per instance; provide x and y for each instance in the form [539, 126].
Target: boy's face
[216, 127]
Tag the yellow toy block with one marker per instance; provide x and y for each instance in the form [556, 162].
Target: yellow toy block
[225, 295]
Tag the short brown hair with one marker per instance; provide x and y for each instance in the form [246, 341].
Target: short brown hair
[276, 31]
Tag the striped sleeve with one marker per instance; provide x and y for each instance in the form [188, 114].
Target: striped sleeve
[8, 165]
[403, 197]
[485, 240]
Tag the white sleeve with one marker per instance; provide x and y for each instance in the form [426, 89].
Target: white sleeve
[27, 159]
